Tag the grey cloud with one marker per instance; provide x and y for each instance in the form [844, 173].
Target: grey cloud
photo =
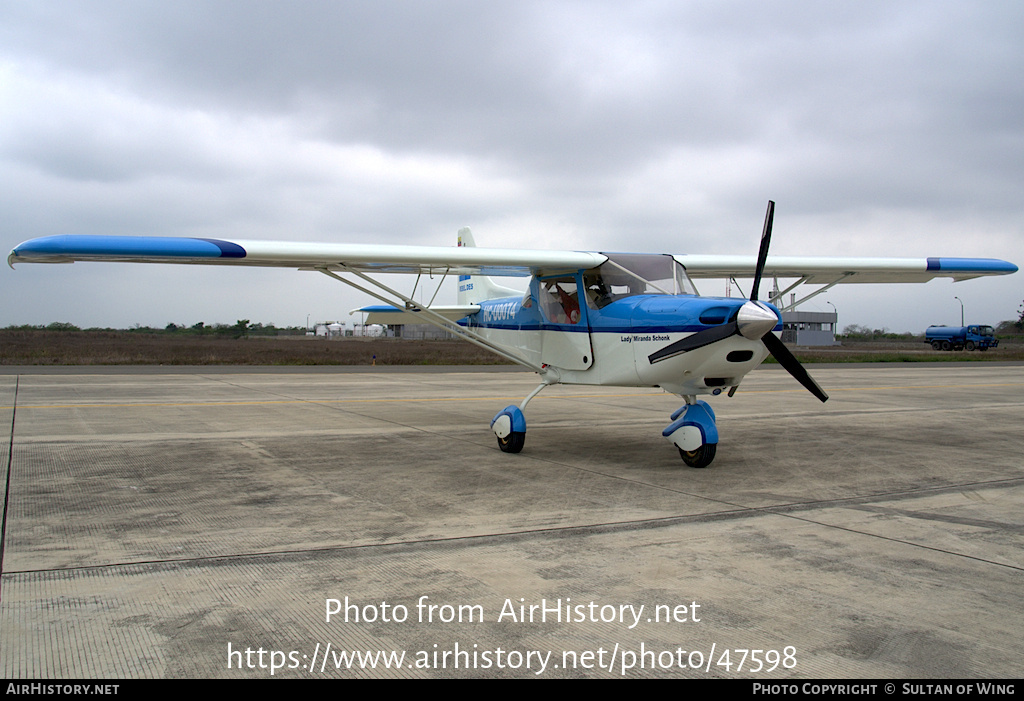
[651, 125]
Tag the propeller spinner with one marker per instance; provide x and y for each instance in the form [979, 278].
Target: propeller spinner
[753, 320]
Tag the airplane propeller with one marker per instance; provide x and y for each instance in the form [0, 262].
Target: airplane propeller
[753, 320]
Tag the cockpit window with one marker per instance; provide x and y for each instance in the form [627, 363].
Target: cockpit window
[625, 275]
[559, 300]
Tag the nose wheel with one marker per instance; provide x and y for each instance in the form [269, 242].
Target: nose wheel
[701, 457]
[694, 433]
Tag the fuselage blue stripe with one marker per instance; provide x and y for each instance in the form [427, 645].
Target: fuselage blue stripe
[637, 329]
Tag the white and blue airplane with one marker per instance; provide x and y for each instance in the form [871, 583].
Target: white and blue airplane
[587, 318]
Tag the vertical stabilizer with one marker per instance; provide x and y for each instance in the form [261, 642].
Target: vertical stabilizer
[466, 237]
[474, 289]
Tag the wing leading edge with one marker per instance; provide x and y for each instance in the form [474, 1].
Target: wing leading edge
[477, 261]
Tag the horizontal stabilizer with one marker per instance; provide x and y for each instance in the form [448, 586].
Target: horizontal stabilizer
[387, 315]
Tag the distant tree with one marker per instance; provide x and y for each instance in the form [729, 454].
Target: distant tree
[1007, 327]
[864, 333]
[1020, 322]
[259, 329]
[62, 326]
[856, 330]
[240, 329]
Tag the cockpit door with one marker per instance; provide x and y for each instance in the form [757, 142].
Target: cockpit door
[565, 331]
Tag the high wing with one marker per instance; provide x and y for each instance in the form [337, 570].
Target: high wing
[367, 258]
[822, 271]
[498, 262]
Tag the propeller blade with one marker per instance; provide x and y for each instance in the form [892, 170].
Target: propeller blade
[704, 337]
[762, 254]
[792, 365]
[752, 319]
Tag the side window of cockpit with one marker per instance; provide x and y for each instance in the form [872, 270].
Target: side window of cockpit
[559, 300]
[597, 290]
[605, 285]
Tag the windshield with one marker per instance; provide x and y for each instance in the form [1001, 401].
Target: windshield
[986, 331]
[628, 274]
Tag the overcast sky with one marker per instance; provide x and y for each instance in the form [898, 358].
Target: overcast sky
[880, 128]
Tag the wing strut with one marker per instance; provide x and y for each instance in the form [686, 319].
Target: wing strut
[779, 299]
[817, 292]
[428, 316]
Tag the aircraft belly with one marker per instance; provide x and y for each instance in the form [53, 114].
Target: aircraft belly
[700, 371]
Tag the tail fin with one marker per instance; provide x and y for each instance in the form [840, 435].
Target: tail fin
[474, 289]
[466, 238]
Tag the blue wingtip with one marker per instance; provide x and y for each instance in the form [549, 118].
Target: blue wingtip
[57, 248]
[972, 265]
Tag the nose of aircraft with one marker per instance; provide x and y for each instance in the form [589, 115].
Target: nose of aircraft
[754, 320]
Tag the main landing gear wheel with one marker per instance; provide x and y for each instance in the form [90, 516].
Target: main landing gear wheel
[701, 457]
[512, 443]
[509, 426]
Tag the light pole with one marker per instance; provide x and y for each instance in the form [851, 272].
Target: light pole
[835, 324]
[961, 309]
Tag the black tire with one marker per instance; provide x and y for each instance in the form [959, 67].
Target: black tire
[701, 457]
[970, 345]
[513, 442]
[936, 345]
[947, 346]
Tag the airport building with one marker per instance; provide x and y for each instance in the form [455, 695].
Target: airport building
[809, 328]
